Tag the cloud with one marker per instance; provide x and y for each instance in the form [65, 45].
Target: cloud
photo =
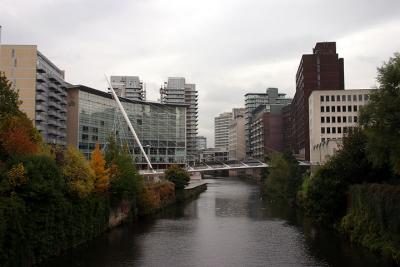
[226, 47]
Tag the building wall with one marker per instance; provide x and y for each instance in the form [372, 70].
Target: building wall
[161, 128]
[254, 100]
[129, 87]
[177, 91]
[221, 130]
[201, 142]
[237, 142]
[322, 70]
[41, 87]
[331, 114]
[18, 62]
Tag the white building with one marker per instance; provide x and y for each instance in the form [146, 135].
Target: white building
[221, 130]
[201, 142]
[129, 87]
[332, 114]
[177, 91]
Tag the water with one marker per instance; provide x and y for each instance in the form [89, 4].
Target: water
[228, 225]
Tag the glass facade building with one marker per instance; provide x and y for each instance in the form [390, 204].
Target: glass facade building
[93, 116]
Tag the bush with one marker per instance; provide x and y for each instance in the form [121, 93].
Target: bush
[177, 175]
[373, 219]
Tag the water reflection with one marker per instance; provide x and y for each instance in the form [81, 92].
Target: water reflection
[228, 225]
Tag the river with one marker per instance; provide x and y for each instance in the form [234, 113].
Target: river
[228, 225]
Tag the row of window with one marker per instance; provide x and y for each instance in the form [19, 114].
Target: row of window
[339, 119]
[348, 108]
[339, 98]
[334, 130]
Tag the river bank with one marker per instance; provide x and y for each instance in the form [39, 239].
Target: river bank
[227, 225]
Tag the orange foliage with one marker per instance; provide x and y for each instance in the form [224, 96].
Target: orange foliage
[102, 177]
[156, 196]
[18, 136]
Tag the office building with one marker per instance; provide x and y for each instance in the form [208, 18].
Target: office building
[129, 87]
[41, 87]
[177, 91]
[321, 70]
[221, 130]
[201, 143]
[93, 115]
[332, 114]
[214, 155]
[266, 131]
[253, 100]
[237, 143]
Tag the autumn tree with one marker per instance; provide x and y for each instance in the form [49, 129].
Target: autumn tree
[77, 172]
[101, 175]
[18, 137]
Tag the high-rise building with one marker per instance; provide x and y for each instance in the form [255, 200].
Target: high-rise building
[93, 115]
[41, 87]
[237, 143]
[332, 114]
[201, 142]
[129, 87]
[253, 100]
[177, 91]
[321, 70]
[221, 130]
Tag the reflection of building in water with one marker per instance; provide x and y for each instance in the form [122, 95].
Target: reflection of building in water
[93, 115]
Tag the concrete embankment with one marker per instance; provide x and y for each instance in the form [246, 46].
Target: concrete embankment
[194, 189]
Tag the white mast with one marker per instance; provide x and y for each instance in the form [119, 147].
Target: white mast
[121, 108]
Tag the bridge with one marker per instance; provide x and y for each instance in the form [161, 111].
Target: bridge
[193, 170]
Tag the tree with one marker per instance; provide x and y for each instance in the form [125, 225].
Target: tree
[179, 176]
[18, 137]
[77, 172]
[380, 118]
[8, 98]
[101, 176]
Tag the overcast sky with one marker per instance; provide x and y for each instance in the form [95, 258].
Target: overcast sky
[226, 47]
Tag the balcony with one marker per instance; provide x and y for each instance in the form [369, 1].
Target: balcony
[41, 98]
[40, 117]
[54, 96]
[40, 77]
[40, 108]
[54, 105]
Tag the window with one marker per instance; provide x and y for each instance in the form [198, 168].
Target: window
[349, 108]
[322, 119]
[339, 129]
[85, 128]
[350, 119]
[327, 98]
[355, 108]
[333, 119]
[366, 97]
[354, 97]
[85, 137]
[322, 130]
[338, 98]
[338, 108]
[328, 130]
[322, 109]
[344, 108]
[344, 119]
[333, 130]
[139, 121]
[339, 119]
[322, 140]
[355, 119]
[343, 98]
[359, 97]
[321, 98]
[327, 109]
[332, 98]
[344, 129]
[102, 123]
[349, 98]
[333, 108]
[328, 119]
